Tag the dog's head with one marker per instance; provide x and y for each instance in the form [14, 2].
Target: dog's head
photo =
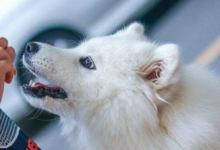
[100, 71]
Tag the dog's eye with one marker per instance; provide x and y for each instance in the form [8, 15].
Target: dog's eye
[87, 62]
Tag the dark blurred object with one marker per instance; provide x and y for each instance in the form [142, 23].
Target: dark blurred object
[157, 12]
[151, 17]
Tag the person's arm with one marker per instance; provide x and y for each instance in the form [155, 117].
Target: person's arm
[7, 56]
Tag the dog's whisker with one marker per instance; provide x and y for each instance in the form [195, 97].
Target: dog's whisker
[25, 73]
[77, 43]
[31, 111]
[36, 115]
[49, 120]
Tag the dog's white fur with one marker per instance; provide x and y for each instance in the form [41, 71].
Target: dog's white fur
[139, 97]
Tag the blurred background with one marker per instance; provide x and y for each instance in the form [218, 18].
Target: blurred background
[192, 24]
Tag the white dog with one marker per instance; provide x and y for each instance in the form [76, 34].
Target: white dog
[123, 92]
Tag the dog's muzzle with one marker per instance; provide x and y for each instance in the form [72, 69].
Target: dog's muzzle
[39, 90]
[30, 50]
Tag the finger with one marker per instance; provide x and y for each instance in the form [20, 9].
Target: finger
[9, 77]
[10, 50]
[4, 55]
[1, 89]
[5, 67]
[3, 42]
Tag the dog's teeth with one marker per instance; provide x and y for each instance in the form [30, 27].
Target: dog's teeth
[31, 82]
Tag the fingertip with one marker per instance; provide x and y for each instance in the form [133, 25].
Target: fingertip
[9, 77]
[3, 42]
[8, 80]
[11, 51]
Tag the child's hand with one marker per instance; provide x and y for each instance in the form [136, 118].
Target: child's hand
[7, 56]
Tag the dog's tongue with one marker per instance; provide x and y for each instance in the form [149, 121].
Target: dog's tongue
[50, 87]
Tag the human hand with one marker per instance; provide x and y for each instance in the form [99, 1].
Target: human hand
[7, 56]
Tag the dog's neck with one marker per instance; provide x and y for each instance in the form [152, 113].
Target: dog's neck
[118, 121]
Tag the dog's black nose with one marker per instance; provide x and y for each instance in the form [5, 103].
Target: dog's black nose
[31, 48]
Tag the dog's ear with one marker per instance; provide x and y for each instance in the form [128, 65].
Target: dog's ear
[162, 69]
[133, 31]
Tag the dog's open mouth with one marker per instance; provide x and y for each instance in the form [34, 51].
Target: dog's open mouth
[40, 90]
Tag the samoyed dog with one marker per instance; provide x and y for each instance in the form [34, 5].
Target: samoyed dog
[124, 92]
